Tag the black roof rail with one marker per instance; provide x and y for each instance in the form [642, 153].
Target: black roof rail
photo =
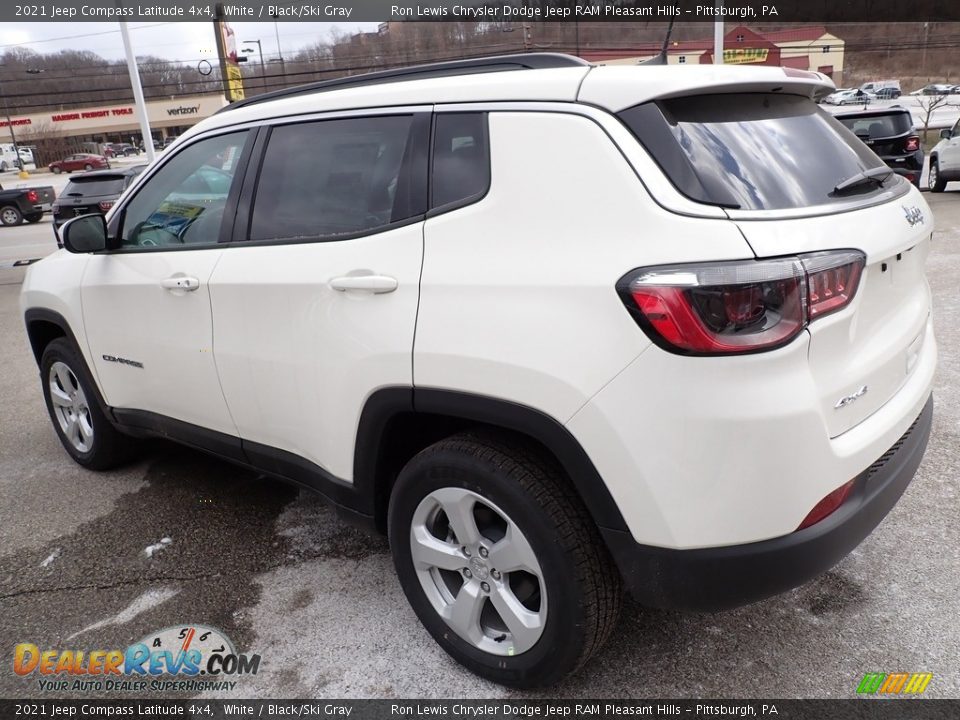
[469, 66]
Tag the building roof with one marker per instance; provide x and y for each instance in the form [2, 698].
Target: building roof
[802, 34]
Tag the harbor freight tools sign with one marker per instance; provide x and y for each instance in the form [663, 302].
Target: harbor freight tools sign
[185, 658]
[806, 11]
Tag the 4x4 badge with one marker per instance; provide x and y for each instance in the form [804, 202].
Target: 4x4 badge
[914, 215]
[842, 402]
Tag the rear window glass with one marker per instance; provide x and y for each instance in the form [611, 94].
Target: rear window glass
[755, 151]
[95, 186]
[878, 126]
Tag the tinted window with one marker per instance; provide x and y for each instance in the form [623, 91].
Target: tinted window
[334, 178]
[183, 203]
[752, 151]
[461, 160]
[86, 187]
[872, 127]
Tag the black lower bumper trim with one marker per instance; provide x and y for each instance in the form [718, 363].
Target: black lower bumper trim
[725, 577]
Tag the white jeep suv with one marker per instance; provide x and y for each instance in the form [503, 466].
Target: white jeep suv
[554, 328]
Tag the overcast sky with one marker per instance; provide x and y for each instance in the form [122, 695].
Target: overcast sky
[189, 42]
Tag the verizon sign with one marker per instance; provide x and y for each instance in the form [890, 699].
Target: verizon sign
[184, 110]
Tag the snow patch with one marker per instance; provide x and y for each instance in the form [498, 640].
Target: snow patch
[50, 558]
[148, 600]
[152, 550]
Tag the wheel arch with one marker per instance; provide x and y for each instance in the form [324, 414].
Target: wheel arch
[44, 326]
[397, 423]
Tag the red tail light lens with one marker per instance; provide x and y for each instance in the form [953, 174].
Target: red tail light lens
[32, 196]
[106, 204]
[739, 307]
[913, 143]
[827, 506]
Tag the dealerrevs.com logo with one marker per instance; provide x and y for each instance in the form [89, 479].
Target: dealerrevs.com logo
[189, 658]
[894, 683]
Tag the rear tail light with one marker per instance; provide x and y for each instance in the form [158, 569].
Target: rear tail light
[827, 506]
[739, 307]
[106, 204]
[32, 196]
[913, 143]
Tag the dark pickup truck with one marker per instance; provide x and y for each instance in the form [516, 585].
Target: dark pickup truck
[27, 204]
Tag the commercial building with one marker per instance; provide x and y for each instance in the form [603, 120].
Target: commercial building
[87, 127]
[804, 48]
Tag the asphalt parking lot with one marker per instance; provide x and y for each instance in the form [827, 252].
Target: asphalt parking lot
[319, 601]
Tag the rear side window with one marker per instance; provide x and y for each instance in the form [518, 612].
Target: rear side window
[330, 179]
[873, 127]
[461, 159]
[755, 151]
[84, 187]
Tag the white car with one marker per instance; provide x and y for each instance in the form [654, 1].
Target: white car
[850, 97]
[554, 328]
[945, 159]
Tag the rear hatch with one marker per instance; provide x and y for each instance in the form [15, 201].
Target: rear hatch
[885, 132]
[89, 194]
[796, 181]
[861, 356]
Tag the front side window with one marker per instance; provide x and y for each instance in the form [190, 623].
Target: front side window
[184, 202]
[333, 179]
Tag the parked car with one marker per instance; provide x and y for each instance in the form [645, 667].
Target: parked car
[848, 97]
[936, 89]
[890, 134]
[9, 159]
[79, 161]
[704, 374]
[93, 192]
[19, 204]
[945, 159]
[119, 150]
[888, 93]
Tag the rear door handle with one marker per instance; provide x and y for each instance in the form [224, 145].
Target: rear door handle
[180, 282]
[371, 283]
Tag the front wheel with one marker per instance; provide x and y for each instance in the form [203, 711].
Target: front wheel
[10, 216]
[57, 170]
[83, 429]
[88, 167]
[935, 181]
[501, 561]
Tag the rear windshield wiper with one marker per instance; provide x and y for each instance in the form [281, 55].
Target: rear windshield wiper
[877, 175]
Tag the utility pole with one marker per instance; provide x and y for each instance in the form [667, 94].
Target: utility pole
[138, 94]
[283, 67]
[718, 35]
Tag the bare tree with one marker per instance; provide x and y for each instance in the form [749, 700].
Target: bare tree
[928, 104]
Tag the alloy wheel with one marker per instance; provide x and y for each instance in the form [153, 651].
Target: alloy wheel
[70, 407]
[478, 571]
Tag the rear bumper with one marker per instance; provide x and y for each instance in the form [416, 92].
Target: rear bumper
[724, 577]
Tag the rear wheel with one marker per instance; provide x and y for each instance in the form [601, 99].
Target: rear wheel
[935, 181]
[10, 216]
[33, 217]
[83, 429]
[501, 561]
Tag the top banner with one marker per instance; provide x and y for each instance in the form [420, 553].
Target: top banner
[819, 11]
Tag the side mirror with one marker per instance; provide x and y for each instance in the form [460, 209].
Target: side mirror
[945, 134]
[85, 234]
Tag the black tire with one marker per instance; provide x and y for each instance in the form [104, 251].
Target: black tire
[33, 217]
[108, 447]
[935, 181]
[57, 169]
[10, 216]
[583, 587]
[88, 167]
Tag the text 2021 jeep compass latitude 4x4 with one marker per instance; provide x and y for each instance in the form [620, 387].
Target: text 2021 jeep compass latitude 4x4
[553, 328]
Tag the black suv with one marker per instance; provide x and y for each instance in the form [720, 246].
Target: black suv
[92, 192]
[889, 133]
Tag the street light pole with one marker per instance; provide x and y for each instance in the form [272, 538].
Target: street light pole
[263, 69]
[13, 138]
[138, 94]
[283, 67]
